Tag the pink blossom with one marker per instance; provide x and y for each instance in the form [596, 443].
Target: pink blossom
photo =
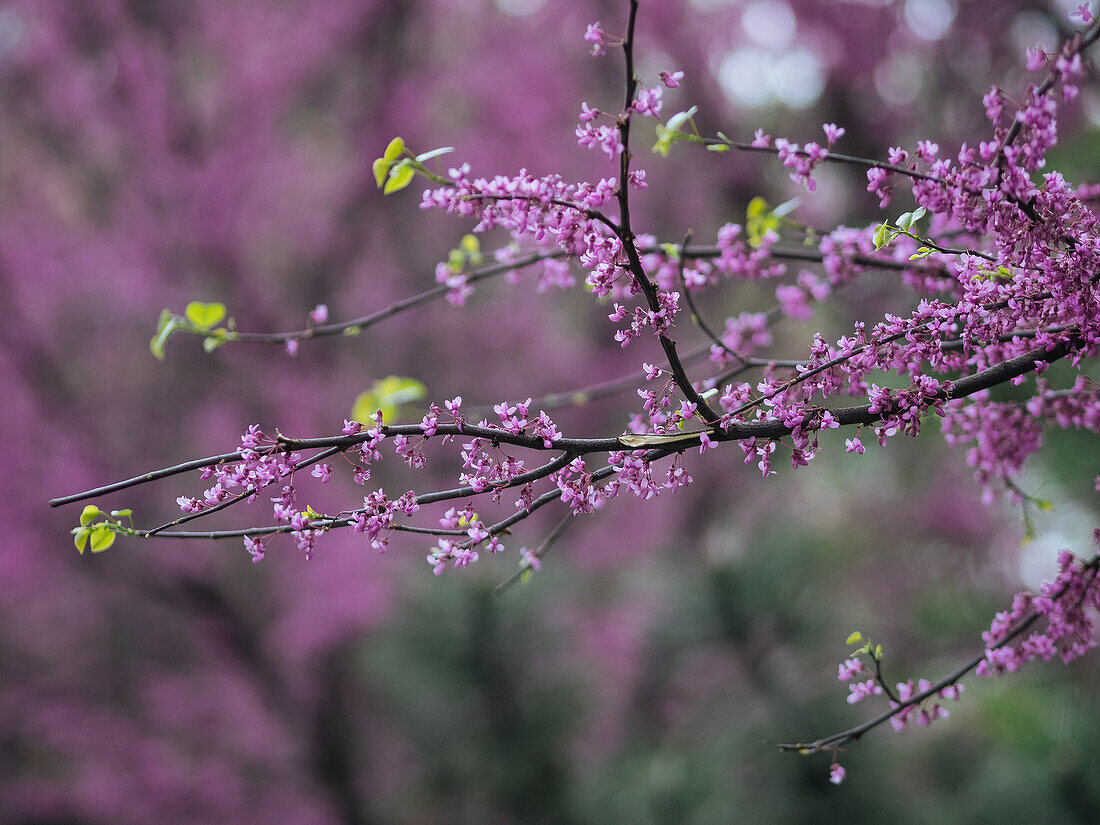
[594, 34]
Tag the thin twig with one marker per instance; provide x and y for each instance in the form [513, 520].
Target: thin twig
[538, 552]
[837, 740]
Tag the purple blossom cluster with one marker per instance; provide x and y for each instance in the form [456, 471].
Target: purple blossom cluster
[1066, 604]
[260, 466]
[905, 698]
[375, 519]
[1005, 283]
[1022, 285]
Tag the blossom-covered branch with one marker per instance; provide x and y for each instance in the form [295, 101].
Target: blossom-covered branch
[1013, 291]
[1067, 604]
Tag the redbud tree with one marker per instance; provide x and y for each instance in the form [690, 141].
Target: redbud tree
[997, 255]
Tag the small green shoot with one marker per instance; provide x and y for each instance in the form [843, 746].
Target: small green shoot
[98, 536]
[669, 133]
[198, 318]
[398, 166]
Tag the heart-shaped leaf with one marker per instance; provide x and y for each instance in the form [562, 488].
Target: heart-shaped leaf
[204, 316]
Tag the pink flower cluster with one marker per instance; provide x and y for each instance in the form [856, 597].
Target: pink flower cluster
[375, 519]
[1067, 604]
[926, 711]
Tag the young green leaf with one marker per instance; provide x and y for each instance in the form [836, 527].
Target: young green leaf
[760, 219]
[401, 175]
[854, 638]
[882, 236]
[381, 169]
[668, 133]
[166, 325]
[472, 247]
[213, 341]
[100, 538]
[394, 150]
[204, 316]
[757, 207]
[665, 137]
[88, 515]
[80, 539]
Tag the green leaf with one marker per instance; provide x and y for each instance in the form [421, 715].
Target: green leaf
[756, 208]
[165, 319]
[717, 147]
[878, 652]
[760, 219]
[668, 133]
[88, 515]
[923, 252]
[388, 394]
[381, 169]
[166, 325]
[1043, 504]
[880, 237]
[401, 176]
[471, 246]
[919, 213]
[905, 220]
[434, 153]
[394, 150]
[854, 638]
[665, 137]
[122, 513]
[101, 537]
[212, 342]
[204, 316]
[80, 539]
